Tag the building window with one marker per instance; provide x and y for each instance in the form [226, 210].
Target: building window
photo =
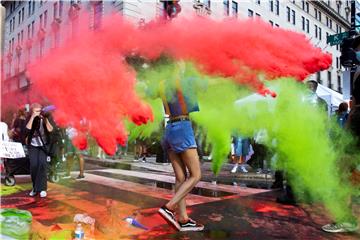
[61, 5]
[250, 13]
[22, 36]
[316, 31]
[318, 77]
[330, 24]
[41, 21]
[234, 8]
[42, 44]
[288, 14]
[10, 25]
[19, 17]
[29, 31]
[277, 25]
[258, 2]
[337, 63]
[271, 23]
[33, 7]
[319, 28]
[22, 14]
[339, 84]
[208, 3]
[316, 13]
[307, 7]
[303, 4]
[329, 79]
[271, 5]
[303, 23]
[319, 16]
[277, 7]
[32, 29]
[226, 7]
[98, 7]
[293, 17]
[45, 18]
[307, 26]
[29, 8]
[327, 21]
[55, 12]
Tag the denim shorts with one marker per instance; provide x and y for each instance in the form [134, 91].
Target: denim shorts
[241, 146]
[179, 136]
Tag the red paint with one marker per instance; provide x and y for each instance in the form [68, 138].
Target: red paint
[87, 77]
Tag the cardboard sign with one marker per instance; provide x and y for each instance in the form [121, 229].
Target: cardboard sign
[11, 150]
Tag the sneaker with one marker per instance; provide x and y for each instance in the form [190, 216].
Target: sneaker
[234, 169]
[243, 169]
[32, 193]
[340, 227]
[43, 194]
[80, 177]
[191, 225]
[169, 216]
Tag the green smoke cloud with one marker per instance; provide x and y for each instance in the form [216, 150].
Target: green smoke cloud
[309, 146]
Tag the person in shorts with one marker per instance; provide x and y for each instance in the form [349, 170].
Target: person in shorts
[72, 153]
[179, 143]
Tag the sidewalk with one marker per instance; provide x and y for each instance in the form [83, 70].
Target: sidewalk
[250, 179]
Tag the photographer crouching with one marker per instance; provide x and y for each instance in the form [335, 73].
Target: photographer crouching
[37, 132]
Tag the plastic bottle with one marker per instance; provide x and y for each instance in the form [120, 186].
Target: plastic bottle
[79, 232]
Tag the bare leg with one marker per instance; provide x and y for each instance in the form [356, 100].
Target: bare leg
[180, 177]
[82, 165]
[191, 160]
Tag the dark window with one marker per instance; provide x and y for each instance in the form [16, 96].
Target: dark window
[250, 13]
[329, 79]
[258, 2]
[339, 84]
[271, 5]
[288, 13]
[234, 9]
[303, 4]
[271, 23]
[55, 10]
[293, 17]
[303, 23]
[320, 32]
[277, 25]
[319, 15]
[316, 31]
[45, 19]
[97, 14]
[226, 7]
[277, 7]
[307, 7]
[307, 26]
[61, 4]
[29, 8]
[318, 77]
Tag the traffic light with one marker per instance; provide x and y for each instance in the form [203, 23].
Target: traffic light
[172, 8]
[349, 50]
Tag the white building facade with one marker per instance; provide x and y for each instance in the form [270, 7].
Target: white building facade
[32, 28]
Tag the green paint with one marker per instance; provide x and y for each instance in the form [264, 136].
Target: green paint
[8, 190]
[309, 146]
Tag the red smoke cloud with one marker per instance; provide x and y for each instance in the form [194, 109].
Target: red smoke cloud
[88, 80]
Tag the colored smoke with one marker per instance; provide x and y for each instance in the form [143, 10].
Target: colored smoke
[88, 79]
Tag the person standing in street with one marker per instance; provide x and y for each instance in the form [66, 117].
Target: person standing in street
[37, 132]
[179, 142]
